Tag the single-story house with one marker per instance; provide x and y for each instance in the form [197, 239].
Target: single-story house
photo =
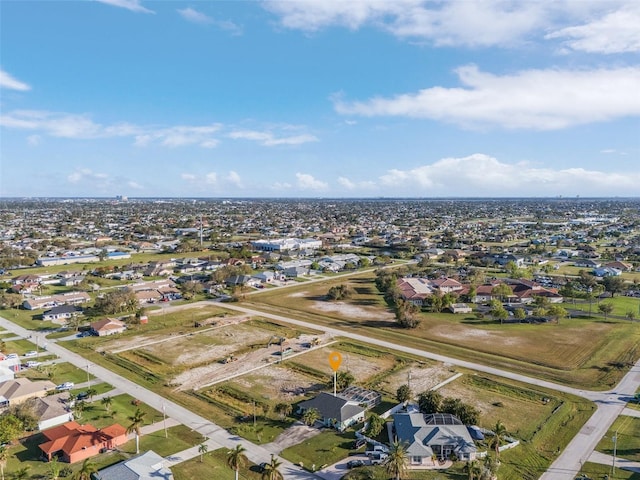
[437, 434]
[19, 390]
[51, 410]
[146, 466]
[61, 313]
[606, 272]
[73, 442]
[335, 411]
[108, 326]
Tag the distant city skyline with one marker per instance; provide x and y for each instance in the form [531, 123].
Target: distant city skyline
[360, 99]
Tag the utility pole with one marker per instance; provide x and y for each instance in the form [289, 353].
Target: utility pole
[88, 379]
[254, 414]
[164, 420]
[615, 445]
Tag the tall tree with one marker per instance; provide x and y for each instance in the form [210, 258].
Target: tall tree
[376, 424]
[107, 402]
[499, 431]
[396, 463]
[430, 402]
[272, 470]
[236, 458]
[605, 309]
[54, 468]
[137, 420]
[404, 393]
[202, 449]
[473, 470]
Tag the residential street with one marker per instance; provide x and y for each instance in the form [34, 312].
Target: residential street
[218, 437]
[610, 403]
[567, 465]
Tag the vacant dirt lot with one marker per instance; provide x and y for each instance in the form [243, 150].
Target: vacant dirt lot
[422, 377]
[235, 340]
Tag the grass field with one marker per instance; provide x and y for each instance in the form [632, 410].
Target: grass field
[57, 373]
[324, 449]
[596, 471]
[627, 431]
[178, 438]
[582, 352]
[621, 305]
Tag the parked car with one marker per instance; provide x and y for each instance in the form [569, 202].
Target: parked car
[355, 463]
[82, 396]
[31, 353]
[12, 356]
[65, 386]
[378, 458]
[32, 363]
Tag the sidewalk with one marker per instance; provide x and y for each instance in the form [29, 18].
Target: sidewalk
[604, 459]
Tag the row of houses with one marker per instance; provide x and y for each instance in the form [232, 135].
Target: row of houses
[419, 290]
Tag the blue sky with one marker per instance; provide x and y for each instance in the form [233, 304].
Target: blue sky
[406, 98]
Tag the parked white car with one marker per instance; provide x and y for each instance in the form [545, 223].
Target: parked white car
[65, 386]
[32, 353]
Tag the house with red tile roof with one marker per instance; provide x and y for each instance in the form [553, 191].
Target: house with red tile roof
[72, 442]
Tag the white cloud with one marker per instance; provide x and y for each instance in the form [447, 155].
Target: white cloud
[471, 23]
[234, 179]
[350, 185]
[86, 175]
[211, 178]
[134, 185]
[279, 186]
[195, 16]
[532, 99]
[189, 177]
[268, 139]
[483, 175]
[307, 182]
[615, 32]
[11, 83]
[66, 125]
[133, 5]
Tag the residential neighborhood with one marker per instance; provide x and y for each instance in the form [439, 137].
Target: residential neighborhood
[425, 301]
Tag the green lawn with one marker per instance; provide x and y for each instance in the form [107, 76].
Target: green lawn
[213, 466]
[19, 346]
[628, 434]
[621, 305]
[121, 408]
[326, 448]
[178, 438]
[58, 373]
[595, 471]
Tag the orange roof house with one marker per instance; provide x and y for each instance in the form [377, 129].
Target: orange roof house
[73, 442]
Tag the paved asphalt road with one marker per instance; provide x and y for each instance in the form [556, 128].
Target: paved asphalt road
[218, 437]
[610, 404]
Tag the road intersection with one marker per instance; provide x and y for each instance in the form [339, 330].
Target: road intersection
[610, 404]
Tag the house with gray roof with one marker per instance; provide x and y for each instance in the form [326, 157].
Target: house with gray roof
[147, 466]
[438, 435]
[336, 412]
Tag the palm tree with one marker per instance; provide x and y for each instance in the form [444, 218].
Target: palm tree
[236, 458]
[107, 401]
[54, 468]
[310, 416]
[88, 468]
[4, 457]
[396, 462]
[22, 474]
[202, 449]
[271, 470]
[473, 469]
[499, 431]
[78, 408]
[136, 420]
[91, 392]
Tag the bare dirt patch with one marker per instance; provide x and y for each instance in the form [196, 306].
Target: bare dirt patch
[216, 372]
[461, 333]
[277, 383]
[353, 311]
[420, 376]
